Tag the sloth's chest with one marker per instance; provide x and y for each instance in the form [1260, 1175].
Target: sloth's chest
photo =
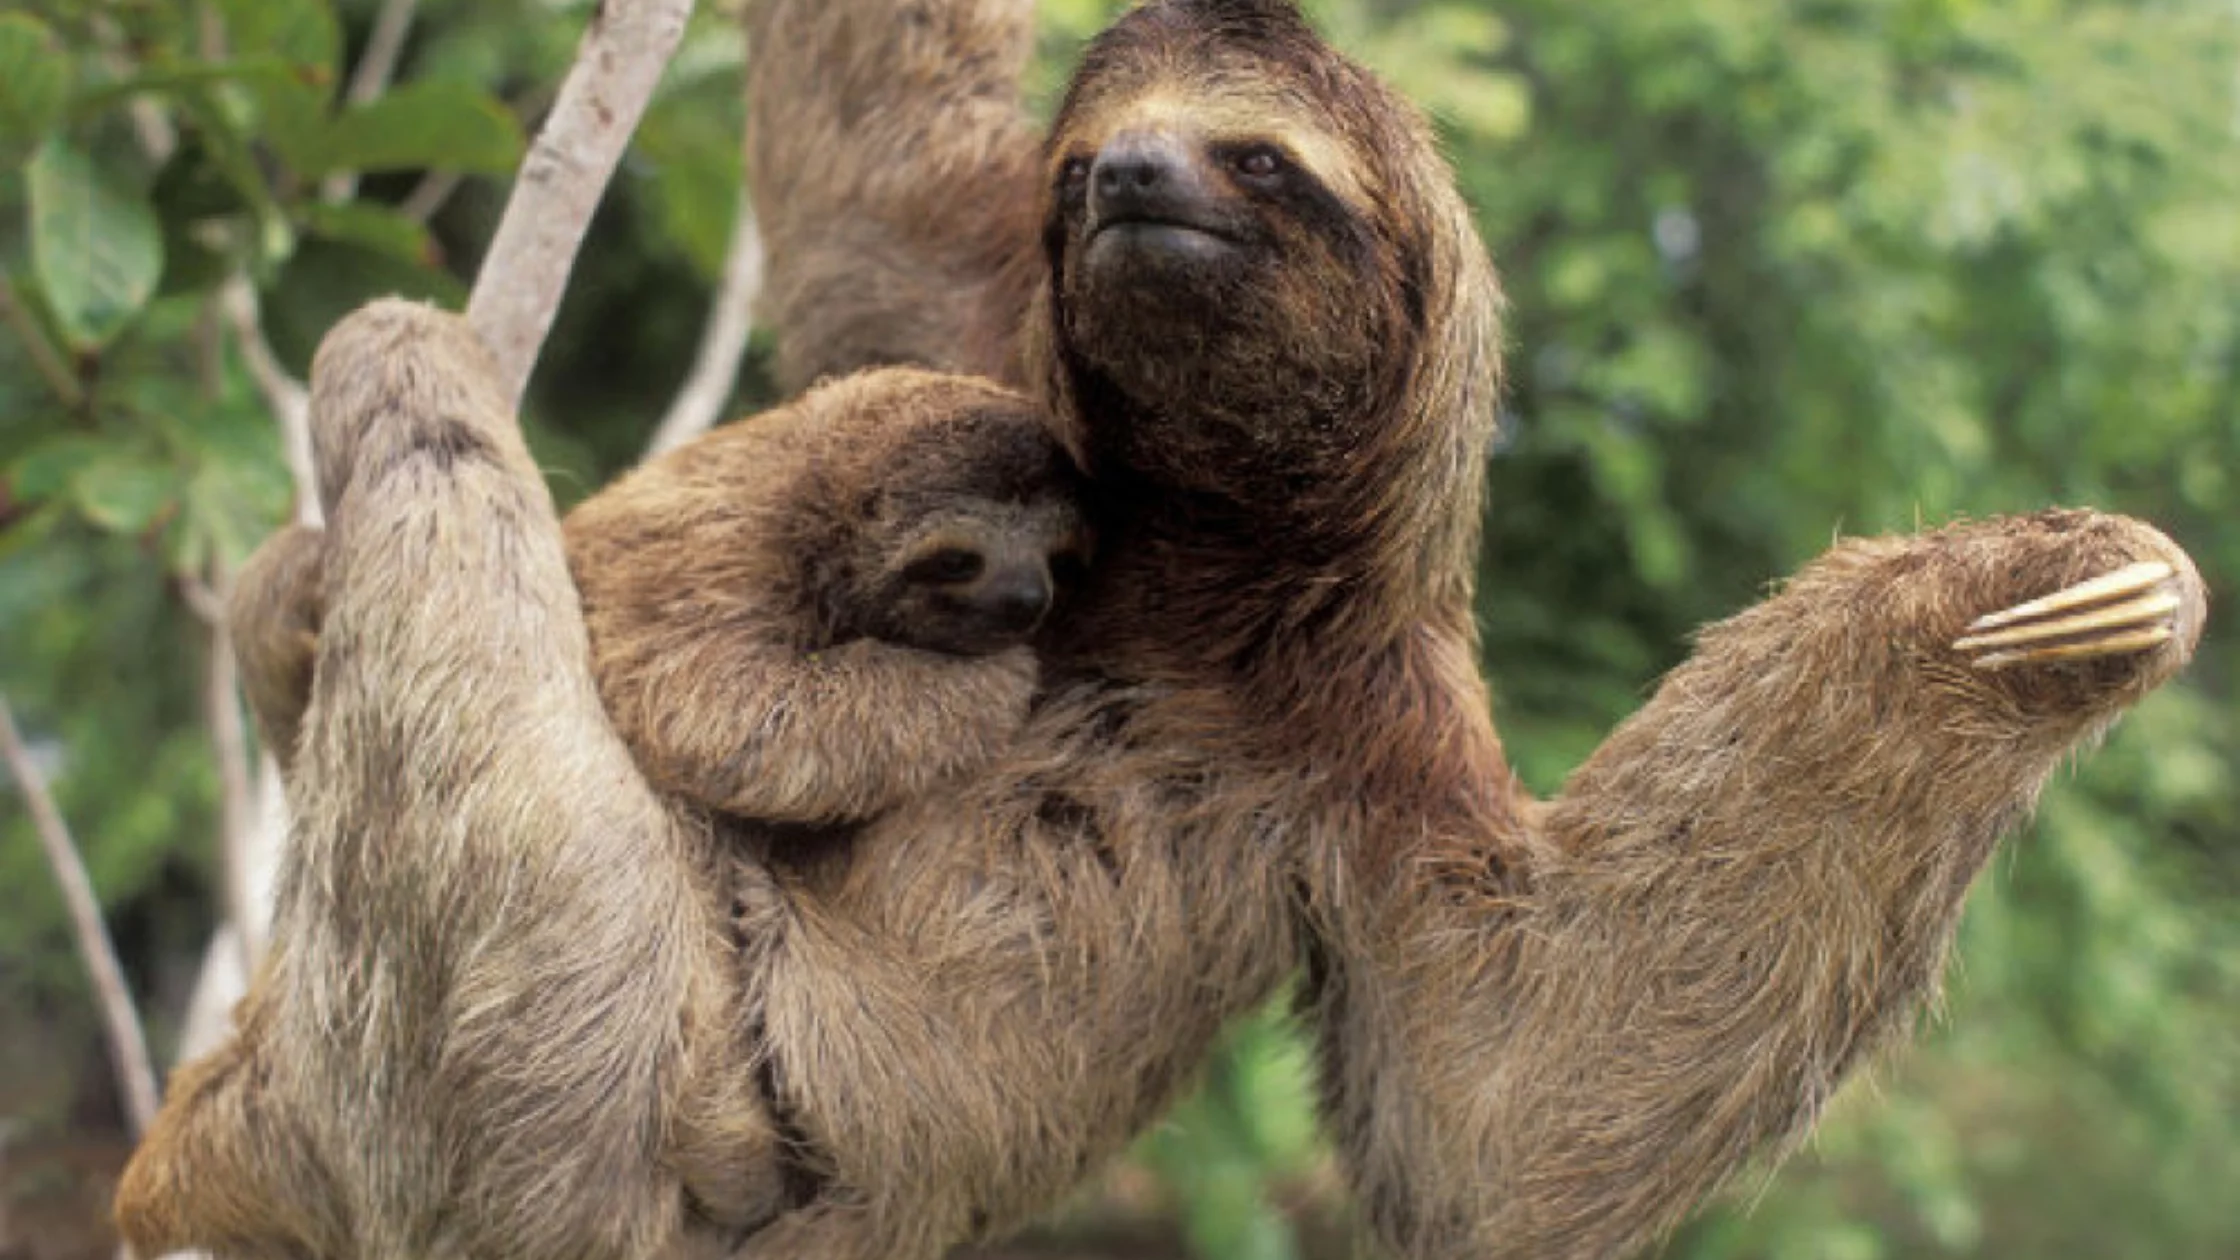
[1040, 963]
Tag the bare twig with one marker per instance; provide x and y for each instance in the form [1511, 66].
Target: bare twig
[217, 986]
[376, 66]
[150, 125]
[723, 342]
[252, 866]
[237, 792]
[384, 44]
[128, 1045]
[44, 358]
[428, 196]
[617, 66]
[291, 405]
[203, 600]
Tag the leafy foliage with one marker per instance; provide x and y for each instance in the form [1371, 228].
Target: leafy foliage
[1777, 270]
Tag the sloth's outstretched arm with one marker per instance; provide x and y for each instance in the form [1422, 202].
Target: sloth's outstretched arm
[893, 173]
[497, 979]
[1746, 889]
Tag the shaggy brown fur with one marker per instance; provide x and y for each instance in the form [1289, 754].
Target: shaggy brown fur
[908, 250]
[500, 1015]
[1261, 740]
[804, 617]
[1535, 1034]
[817, 613]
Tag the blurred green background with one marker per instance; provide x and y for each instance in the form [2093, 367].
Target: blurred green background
[1780, 269]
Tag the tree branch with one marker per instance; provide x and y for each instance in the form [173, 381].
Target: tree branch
[617, 67]
[428, 196]
[128, 1045]
[723, 342]
[384, 44]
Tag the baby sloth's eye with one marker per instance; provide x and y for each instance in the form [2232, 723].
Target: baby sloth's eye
[1259, 163]
[944, 567]
[1073, 176]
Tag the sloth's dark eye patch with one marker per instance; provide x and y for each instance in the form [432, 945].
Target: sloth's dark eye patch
[1073, 175]
[944, 566]
[1259, 163]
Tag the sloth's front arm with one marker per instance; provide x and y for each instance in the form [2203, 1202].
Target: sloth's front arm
[1751, 885]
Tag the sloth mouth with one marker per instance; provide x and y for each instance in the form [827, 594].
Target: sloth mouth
[1159, 243]
[1152, 223]
[1147, 224]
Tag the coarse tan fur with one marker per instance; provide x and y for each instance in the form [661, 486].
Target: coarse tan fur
[755, 631]
[805, 617]
[500, 1013]
[1261, 742]
[908, 249]
[772, 633]
[1633, 1041]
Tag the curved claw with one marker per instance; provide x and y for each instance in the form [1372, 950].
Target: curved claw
[2132, 609]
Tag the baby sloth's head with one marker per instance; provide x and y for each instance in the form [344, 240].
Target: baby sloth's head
[966, 530]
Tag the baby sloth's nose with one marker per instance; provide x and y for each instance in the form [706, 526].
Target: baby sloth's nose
[1016, 599]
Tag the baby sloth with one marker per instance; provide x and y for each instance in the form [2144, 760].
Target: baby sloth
[806, 617]
[819, 612]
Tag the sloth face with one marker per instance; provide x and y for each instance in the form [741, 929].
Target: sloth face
[970, 537]
[1232, 260]
[979, 578]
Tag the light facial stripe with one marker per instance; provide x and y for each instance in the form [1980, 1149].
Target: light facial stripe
[1215, 117]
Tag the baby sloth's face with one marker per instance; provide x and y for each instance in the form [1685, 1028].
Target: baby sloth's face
[977, 576]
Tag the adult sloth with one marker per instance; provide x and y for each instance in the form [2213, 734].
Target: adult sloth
[1262, 318]
[1249, 287]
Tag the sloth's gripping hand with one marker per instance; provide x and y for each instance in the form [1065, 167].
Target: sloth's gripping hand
[2131, 610]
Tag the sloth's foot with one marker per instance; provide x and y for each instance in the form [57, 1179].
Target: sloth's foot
[2133, 609]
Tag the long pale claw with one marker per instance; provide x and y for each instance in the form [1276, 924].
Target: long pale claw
[2129, 610]
[2131, 579]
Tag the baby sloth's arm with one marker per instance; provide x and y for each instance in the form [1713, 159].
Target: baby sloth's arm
[730, 715]
[820, 612]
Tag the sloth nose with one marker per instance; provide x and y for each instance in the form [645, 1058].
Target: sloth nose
[1016, 600]
[1143, 175]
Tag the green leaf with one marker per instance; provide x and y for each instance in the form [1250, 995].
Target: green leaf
[48, 468]
[291, 107]
[34, 82]
[303, 33]
[423, 125]
[96, 247]
[121, 494]
[693, 141]
[172, 79]
[32, 529]
[222, 145]
[325, 280]
[372, 225]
